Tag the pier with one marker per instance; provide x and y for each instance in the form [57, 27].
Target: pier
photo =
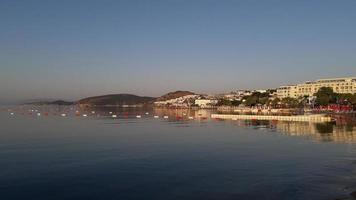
[296, 118]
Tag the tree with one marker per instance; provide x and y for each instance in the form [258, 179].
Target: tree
[275, 102]
[290, 102]
[256, 98]
[251, 100]
[235, 102]
[224, 102]
[325, 96]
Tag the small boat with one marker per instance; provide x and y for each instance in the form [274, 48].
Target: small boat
[85, 115]
[63, 114]
[138, 116]
[190, 117]
[165, 117]
[113, 116]
[156, 117]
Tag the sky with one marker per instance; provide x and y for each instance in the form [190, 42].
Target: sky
[73, 49]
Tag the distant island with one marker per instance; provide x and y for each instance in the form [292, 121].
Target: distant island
[57, 102]
[129, 100]
[116, 100]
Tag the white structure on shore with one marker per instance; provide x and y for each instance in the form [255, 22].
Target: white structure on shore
[339, 85]
[204, 103]
[182, 101]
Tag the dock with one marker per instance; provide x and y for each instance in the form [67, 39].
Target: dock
[295, 118]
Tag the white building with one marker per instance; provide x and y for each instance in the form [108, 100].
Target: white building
[203, 103]
[180, 101]
[309, 88]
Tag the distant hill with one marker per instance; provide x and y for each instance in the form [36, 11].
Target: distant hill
[57, 102]
[116, 99]
[174, 95]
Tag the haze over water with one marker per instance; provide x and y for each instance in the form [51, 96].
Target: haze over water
[98, 157]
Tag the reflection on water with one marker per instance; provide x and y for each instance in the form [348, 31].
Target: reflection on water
[342, 130]
[321, 132]
[88, 154]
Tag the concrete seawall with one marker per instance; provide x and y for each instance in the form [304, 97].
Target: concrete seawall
[296, 118]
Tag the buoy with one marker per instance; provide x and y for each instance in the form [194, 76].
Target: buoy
[113, 116]
[138, 116]
[156, 117]
[165, 117]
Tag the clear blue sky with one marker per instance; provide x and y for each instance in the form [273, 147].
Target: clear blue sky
[73, 49]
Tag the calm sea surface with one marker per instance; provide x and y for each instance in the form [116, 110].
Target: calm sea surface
[99, 157]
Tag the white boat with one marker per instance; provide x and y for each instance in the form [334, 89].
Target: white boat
[165, 117]
[138, 116]
[156, 116]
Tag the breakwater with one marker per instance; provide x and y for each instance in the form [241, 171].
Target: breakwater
[297, 118]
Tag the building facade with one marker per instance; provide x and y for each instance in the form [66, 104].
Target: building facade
[203, 103]
[287, 91]
[309, 88]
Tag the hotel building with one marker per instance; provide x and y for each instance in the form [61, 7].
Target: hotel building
[339, 85]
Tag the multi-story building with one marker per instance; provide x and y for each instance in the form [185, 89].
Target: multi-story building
[339, 85]
[287, 91]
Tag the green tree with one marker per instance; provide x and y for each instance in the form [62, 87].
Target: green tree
[251, 100]
[275, 102]
[290, 102]
[235, 102]
[325, 96]
[224, 102]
